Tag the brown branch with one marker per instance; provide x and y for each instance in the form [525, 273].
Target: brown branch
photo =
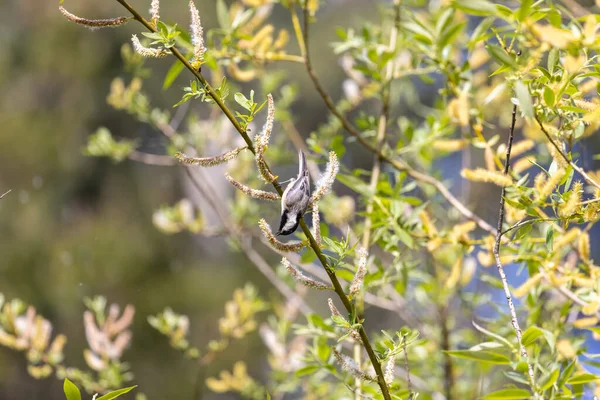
[580, 170]
[446, 346]
[396, 163]
[376, 170]
[511, 306]
[313, 244]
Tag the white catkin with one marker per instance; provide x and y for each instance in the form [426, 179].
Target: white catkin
[255, 193]
[197, 34]
[155, 11]
[94, 23]
[326, 182]
[261, 141]
[389, 370]
[209, 161]
[303, 279]
[334, 310]
[349, 365]
[316, 224]
[146, 51]
[359, 277]
[285, 247]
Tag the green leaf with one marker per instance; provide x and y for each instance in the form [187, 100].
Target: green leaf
[172, 74]
[71, 391]
[524, 9]
[553, 56]
[550, 238]
[500, 55]
[476, 7]
[339, 320]
[485, 356]
[525, 104]
[508, 394]
[549, 379]
[523, 231]
[582, 378]
[549, 97]
[309, 369]
[117, 393]
[223, 14]
[243, 101]
[530, 335]
[566, 373]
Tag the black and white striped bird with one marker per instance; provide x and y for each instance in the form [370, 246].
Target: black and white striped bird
[295, 199]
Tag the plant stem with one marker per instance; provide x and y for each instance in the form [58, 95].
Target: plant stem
[580, 170]
[511, 306]
[313, 244]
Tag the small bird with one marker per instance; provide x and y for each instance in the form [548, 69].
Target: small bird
[295, 199]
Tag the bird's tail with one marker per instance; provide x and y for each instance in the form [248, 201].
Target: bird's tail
[302, 166]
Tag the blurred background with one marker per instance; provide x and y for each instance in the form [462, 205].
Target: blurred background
[76, 226]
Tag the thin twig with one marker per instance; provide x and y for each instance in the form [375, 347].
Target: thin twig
[152, 159]
[580, 170]
[376, 170]
[7, 192]
[313, 244]
[396, 163]
[407, 368]
[511, 306]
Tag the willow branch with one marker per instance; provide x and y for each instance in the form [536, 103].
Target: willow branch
[580, 170]
[396, 163]
[313, 244]
[511, 306]
[376, 170]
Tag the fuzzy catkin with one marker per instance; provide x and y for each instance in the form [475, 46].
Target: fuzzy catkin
[303, 279]
[285, 247]
[94, 23]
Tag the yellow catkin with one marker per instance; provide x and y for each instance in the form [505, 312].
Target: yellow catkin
[490, 160]
[523, 164]
[455, 273]
[586, 105]
[591, 308]
[450, 145]
[549, 185]
[560, 160]
[433, 244]
[514, 214]
[567, 238]
[265, 32]
[571, 206]
[428, 225]
[460, 232]
[539, 181]
[585, 322]
[583, 246]
[527, 285]
[588, 86]
[282, 39]
[242, 75]
[516, 149]
[482, 175]
[565, 349]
